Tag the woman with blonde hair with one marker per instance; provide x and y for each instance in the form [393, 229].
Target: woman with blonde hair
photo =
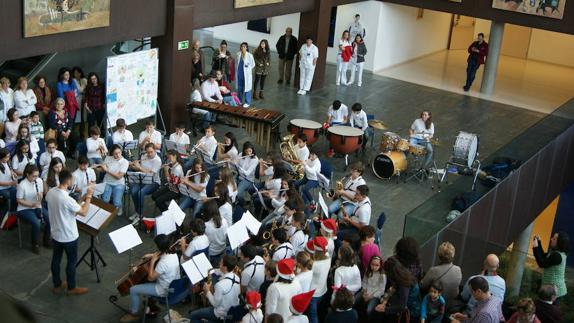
[525, 312]
[446, 272]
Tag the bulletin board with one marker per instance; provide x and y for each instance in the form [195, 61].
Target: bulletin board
[131, 86]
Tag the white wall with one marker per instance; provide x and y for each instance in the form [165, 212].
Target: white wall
[238, 32]
[551, 47]
[402, 37]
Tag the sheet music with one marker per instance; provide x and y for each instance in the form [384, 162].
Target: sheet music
[197, 268]
[251, 222]
[237, 234]
[95, 217]
[164, 224]
[125, 238]
[323, 205]
[172, 145]
[175, 212]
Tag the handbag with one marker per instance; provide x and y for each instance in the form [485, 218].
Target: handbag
[49, 134]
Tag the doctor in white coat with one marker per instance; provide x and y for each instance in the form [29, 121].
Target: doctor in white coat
[244, 67]
[308, 55]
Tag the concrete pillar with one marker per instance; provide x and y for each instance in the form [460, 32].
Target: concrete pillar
[491, 65]
[517, 259]
[175, 65]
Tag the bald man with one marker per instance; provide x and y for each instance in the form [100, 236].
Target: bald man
[287, 49]
[496, 284]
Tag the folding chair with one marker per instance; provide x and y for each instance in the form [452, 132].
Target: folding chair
[177, 292]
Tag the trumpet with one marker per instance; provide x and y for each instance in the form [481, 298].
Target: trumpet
[339, 185]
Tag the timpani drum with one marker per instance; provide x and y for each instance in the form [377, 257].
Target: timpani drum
[465, 148]
[344, 139]
[310, 128]
[387, 164]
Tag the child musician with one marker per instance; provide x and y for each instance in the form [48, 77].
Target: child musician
[253, 306]
[51, 152]
[150, 135]
[299, 237]
[280, 292]
[173, 172]
[121, 135]
[344, 197]
[246, 165]
[193, 187]
[283, 249]
[199, 243]
[95, 146]
[179, 137]
[84, 176]
[311, 180]
[149, 164]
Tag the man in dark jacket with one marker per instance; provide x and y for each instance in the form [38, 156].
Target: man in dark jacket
[477, 51]
[287, 49]
[546, 311]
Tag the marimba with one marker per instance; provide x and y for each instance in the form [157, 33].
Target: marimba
[261, 123]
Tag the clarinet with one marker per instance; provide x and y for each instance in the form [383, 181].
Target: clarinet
[39, 200]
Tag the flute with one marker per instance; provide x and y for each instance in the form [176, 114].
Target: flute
[271, 191]
[242, 157]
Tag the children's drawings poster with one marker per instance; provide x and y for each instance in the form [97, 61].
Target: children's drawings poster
[131, 87]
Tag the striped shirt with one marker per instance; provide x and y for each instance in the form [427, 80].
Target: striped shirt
[487, 311]
[37, 130]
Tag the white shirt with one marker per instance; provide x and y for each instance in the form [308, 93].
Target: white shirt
[375, 284]
[190, 192]
[116, 166]
[195, 96]
[232, 153]
[209, 146]
[356, 28]
[153, 164]
[25, 102]
[226, 212]
[348, 276]
[62, 211]
[83, 178]
[226, 295]
[209, 90]
[253, 317]
[351, 186]
[246, 167]
[283, 251]
[308, 54]
[362, 213]
[8, 98]
[302, 318]
[302, 153]
[279, 296]
[46, 158]
[338, 115]
[253, 274]
[20, 165]
[168, 269]
[11, 130]
[330, 246]
[121, 137]
[343, 43]
[217, 237]
[359, 120]
[298, 241]
[6, 176]
[232, 190]
[304, 279]
[312, 169]
[92, 146]
[320, 273]
[197, 243]
[155, 137]
[28, 191]
[273, 186]
[420, 130]
[179, 140]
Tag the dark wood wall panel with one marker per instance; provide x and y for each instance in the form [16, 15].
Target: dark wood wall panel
[129, 19]
[483, 9]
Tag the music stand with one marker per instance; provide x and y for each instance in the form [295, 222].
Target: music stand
[99, 216]
[128, 146]
[172, 145]
[142, 179]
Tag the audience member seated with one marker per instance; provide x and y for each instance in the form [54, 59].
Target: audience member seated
[62, 123]
[24, 98]
[225, 89]
[488, 307]
[8, 180]
[44, 98]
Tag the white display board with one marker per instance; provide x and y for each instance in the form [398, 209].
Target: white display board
[131, 86]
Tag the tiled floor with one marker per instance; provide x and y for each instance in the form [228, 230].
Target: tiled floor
[532, 85]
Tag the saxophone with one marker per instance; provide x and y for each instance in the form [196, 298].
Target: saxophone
[288, 152]
[267, 234]
[338, 187]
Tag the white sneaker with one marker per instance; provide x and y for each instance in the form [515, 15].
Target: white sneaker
[359, 84]
[303, 92]
[337, 84]
[349, 83]
[134, 216]
[120, 211]
[300, 92]
[246, 105]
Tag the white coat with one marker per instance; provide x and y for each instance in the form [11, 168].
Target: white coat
[248, 65]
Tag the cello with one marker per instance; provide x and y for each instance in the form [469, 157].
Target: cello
[136, 276]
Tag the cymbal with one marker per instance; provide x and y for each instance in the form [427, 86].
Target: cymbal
[378, 124]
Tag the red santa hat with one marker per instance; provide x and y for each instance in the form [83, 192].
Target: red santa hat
[286, 268]
[253, 299]
[300, 302]
[320, 243]
[310, 246]
[329, 226]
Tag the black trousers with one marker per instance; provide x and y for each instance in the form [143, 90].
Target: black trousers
[163, 196]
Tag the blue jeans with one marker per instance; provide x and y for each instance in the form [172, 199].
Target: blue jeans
[312, 312]
[307, 187]
[94, 161]
[141, 289]
[242, 187]
[116, 191]
[205, 313]
[429, 148]
[186, 202]
[9, 194]
[71, 249]
[229, 100]
[336, 206]
[471, 69]
[139, 192]
[32, 216]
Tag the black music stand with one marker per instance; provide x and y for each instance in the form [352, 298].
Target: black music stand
[129, 146]
[141, 179]
[93, 223]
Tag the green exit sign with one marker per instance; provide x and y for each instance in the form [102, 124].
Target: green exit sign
[182, 45]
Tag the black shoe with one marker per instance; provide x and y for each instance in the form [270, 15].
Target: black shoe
[465, 88]
[281, 81]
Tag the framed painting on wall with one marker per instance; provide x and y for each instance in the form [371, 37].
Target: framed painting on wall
[46, 17]
[252, 3]
[546, 8]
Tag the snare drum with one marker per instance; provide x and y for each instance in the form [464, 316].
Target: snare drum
[344, 139]
[385, 165]
[389, 141]
[310, 128]
[417, 150]
[403, 145]
[465, 148]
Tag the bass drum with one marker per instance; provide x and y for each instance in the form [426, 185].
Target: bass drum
[465, 148]
[385, 165]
